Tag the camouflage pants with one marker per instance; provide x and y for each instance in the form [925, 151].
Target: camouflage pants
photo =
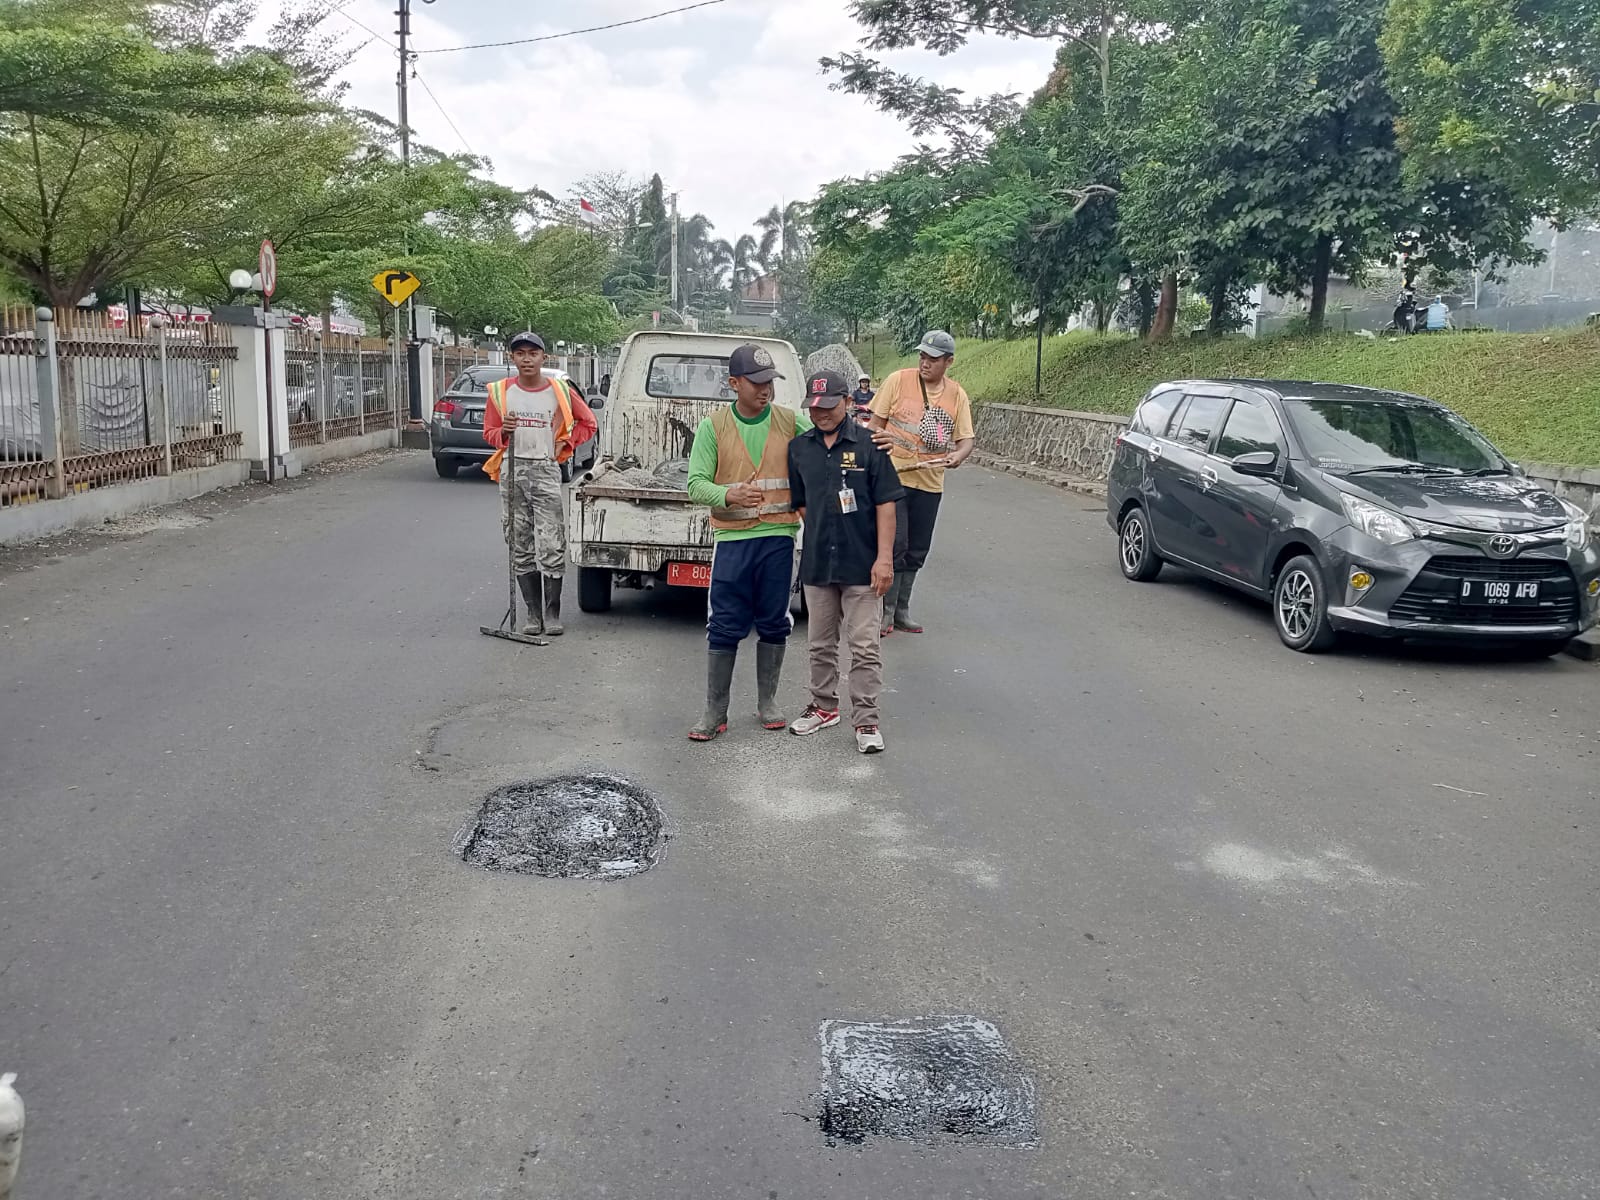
[533, 517]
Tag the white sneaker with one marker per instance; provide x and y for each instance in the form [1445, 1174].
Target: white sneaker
[869, 740]
[813, 720]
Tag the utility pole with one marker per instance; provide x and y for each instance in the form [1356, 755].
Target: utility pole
[404, 32]
[674, 249]
[414, 380]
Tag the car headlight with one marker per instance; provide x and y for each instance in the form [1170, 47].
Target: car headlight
[1374, 520]
[1577, 530]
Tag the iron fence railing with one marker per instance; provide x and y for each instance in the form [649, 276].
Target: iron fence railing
[129, 402]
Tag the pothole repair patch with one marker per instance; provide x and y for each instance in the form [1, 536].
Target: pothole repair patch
[951, 1079]
[570, 827]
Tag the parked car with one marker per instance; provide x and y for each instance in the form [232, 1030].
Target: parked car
[455, 435]
[1351, 510]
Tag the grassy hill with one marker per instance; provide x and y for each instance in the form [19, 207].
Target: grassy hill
[1536, 395]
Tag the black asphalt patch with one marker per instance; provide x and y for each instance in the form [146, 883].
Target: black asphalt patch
[951, 1079]
[570, 827]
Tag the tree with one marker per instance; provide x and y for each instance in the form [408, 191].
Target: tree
[785, 234]
[615, 196]
[1499, 116]
[95, 63]
[845, 287]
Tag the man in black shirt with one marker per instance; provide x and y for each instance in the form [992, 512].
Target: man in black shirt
[845, 489]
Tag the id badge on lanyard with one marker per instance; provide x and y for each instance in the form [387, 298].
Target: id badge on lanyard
[847, 495]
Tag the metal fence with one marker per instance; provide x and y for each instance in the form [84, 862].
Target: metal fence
[130, 402]
[339, 385]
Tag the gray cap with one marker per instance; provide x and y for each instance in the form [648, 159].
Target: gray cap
[936, 343]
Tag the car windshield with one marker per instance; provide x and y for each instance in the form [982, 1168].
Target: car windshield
[688, 377]
[476, 381]
[1362, 435]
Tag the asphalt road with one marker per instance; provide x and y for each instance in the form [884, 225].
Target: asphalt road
[1257, 924]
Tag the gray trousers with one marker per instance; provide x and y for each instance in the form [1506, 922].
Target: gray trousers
[533, 516]
[851, 615]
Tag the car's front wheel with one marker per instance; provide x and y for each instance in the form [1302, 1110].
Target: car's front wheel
[1300, 607]
[446, 467]
[1135, 550]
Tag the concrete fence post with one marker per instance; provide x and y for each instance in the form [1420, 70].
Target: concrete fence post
[253, 404]
[49, 389]
[361, 393]
[322, 390]
[163, 420]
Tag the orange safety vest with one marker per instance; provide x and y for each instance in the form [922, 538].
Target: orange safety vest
[904, 423]
[735, 466]
[563, 429]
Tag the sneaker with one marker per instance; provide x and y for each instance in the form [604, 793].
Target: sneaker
[813, 720]
[869, 740]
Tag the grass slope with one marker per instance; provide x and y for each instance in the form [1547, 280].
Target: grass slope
[1535, 395]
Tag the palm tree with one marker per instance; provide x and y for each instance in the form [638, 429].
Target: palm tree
[785, 234]
[746, 262]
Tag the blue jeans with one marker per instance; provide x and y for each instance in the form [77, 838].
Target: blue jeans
[750, 588]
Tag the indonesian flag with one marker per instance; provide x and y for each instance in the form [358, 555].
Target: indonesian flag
[586, 212]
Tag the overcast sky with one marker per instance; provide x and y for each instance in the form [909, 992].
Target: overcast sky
[726, 102]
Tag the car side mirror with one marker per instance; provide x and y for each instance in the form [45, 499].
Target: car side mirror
[1260, 462]
[597, 403]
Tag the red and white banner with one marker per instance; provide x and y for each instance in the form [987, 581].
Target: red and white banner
[587, 212]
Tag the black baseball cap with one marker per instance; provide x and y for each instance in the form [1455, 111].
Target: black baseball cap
[526, 338]
[826, 389]
[754, 363]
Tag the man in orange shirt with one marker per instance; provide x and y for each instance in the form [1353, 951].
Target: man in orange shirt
[548, 421]
[923, 418]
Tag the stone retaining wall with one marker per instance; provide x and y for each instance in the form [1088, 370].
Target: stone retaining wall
[1081, 444]
[1581, 485]
[1074, 442]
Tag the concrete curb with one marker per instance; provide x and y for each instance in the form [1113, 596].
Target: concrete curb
[81, 510]
[1094, 489]
[1586, 646]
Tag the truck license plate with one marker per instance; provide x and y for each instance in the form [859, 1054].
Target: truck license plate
[696, 575]
[1499, 591]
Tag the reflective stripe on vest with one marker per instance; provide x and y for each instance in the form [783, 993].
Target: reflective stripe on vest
[564, 418]
[904, 422]
[734, 465]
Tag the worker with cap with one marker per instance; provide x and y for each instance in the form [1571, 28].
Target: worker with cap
[924, 419]
[739, 468]
[542, 421]
[845, 490]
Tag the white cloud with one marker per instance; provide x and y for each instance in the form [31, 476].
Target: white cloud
[727, 104]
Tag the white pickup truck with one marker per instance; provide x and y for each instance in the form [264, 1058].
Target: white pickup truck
[628, 525]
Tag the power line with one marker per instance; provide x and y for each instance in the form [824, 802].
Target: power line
[417, 75]
[339, 12]
[550, 37]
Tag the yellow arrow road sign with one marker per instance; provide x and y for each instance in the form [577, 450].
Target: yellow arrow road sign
[396, 286]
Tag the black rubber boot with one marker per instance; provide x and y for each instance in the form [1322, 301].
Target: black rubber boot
[902, 603]
[552, 606]
[534, 625]
[890, 599]
[769, 667]
[719, 686]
